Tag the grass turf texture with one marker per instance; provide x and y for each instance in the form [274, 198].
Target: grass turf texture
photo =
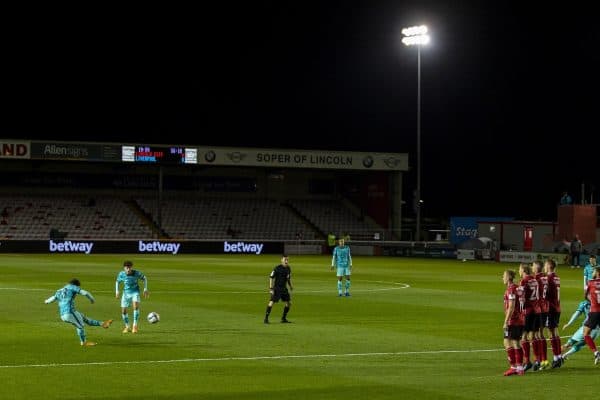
[413, 328]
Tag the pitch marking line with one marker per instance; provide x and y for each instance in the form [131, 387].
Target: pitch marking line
[257, 358]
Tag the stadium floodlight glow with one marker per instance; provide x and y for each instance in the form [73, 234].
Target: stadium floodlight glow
[417, 36]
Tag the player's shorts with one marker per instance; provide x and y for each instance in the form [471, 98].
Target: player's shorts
[593, 320]
[128, 298]
[553, 319]
[75, 318]
[532, 322]
[513, 332]
[280, 295]
[344, 271]
[577, 338]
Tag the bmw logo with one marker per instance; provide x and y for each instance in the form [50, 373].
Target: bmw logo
[210, 156]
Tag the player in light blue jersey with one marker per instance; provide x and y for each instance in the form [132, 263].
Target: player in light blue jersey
[588, 272]
[577, 342]
[131, 294]
[66, 308]
[342, 260]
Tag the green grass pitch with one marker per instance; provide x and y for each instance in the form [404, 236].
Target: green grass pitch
[413, 329]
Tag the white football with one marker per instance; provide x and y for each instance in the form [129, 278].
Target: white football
[153, 317]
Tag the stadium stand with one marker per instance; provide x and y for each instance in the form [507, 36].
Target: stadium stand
[220, 218]
[69, 217]
[337, 217]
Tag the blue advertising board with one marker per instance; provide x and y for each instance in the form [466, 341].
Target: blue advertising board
[465, 228]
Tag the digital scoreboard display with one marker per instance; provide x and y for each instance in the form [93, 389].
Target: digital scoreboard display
[145, 154]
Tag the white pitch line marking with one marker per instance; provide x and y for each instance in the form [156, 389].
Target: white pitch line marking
[256, 358]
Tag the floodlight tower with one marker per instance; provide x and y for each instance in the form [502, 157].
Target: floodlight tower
[417, 36]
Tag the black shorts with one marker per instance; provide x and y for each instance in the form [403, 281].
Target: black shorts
[553, 319]
[281, 294]
[592, 320]
[532, 322]
[513, 332]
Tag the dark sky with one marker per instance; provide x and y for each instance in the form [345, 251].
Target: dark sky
[509, 91]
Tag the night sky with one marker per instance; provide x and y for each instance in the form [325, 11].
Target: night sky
[509, 92]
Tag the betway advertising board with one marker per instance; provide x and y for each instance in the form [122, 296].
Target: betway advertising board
[140, 247]
[531, 256]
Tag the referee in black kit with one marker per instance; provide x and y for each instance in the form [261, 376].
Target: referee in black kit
[279, 278]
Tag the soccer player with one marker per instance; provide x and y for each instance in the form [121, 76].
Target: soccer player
[514, 319]
[532, 312]
[131, 294]
[539, 343]
[66, 308]
[280, 278]
[342, 259]
[576, 341]
[553, 297]
[588, 271]
[593, 319]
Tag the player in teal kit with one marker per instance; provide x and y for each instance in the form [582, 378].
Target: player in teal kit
[131, 294]
[588, 271]
[66, 308]
[576, 342]
[342, 259]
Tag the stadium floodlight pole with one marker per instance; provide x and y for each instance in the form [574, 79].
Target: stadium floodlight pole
[417, 36]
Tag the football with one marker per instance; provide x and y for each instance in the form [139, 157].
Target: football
[153, 317]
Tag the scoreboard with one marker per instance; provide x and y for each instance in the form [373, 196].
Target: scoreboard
[146, 154]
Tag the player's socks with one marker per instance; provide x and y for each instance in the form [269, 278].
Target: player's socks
[339, 287]
[536, 349]
[285, 312]
[136, 317]
[569, 352]
[512, 359]
[81, 334]
[525, 344]
[519, 357]
[555, 346]
[348, 287]
[590, 342]
[125, 317]
[267, 313]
